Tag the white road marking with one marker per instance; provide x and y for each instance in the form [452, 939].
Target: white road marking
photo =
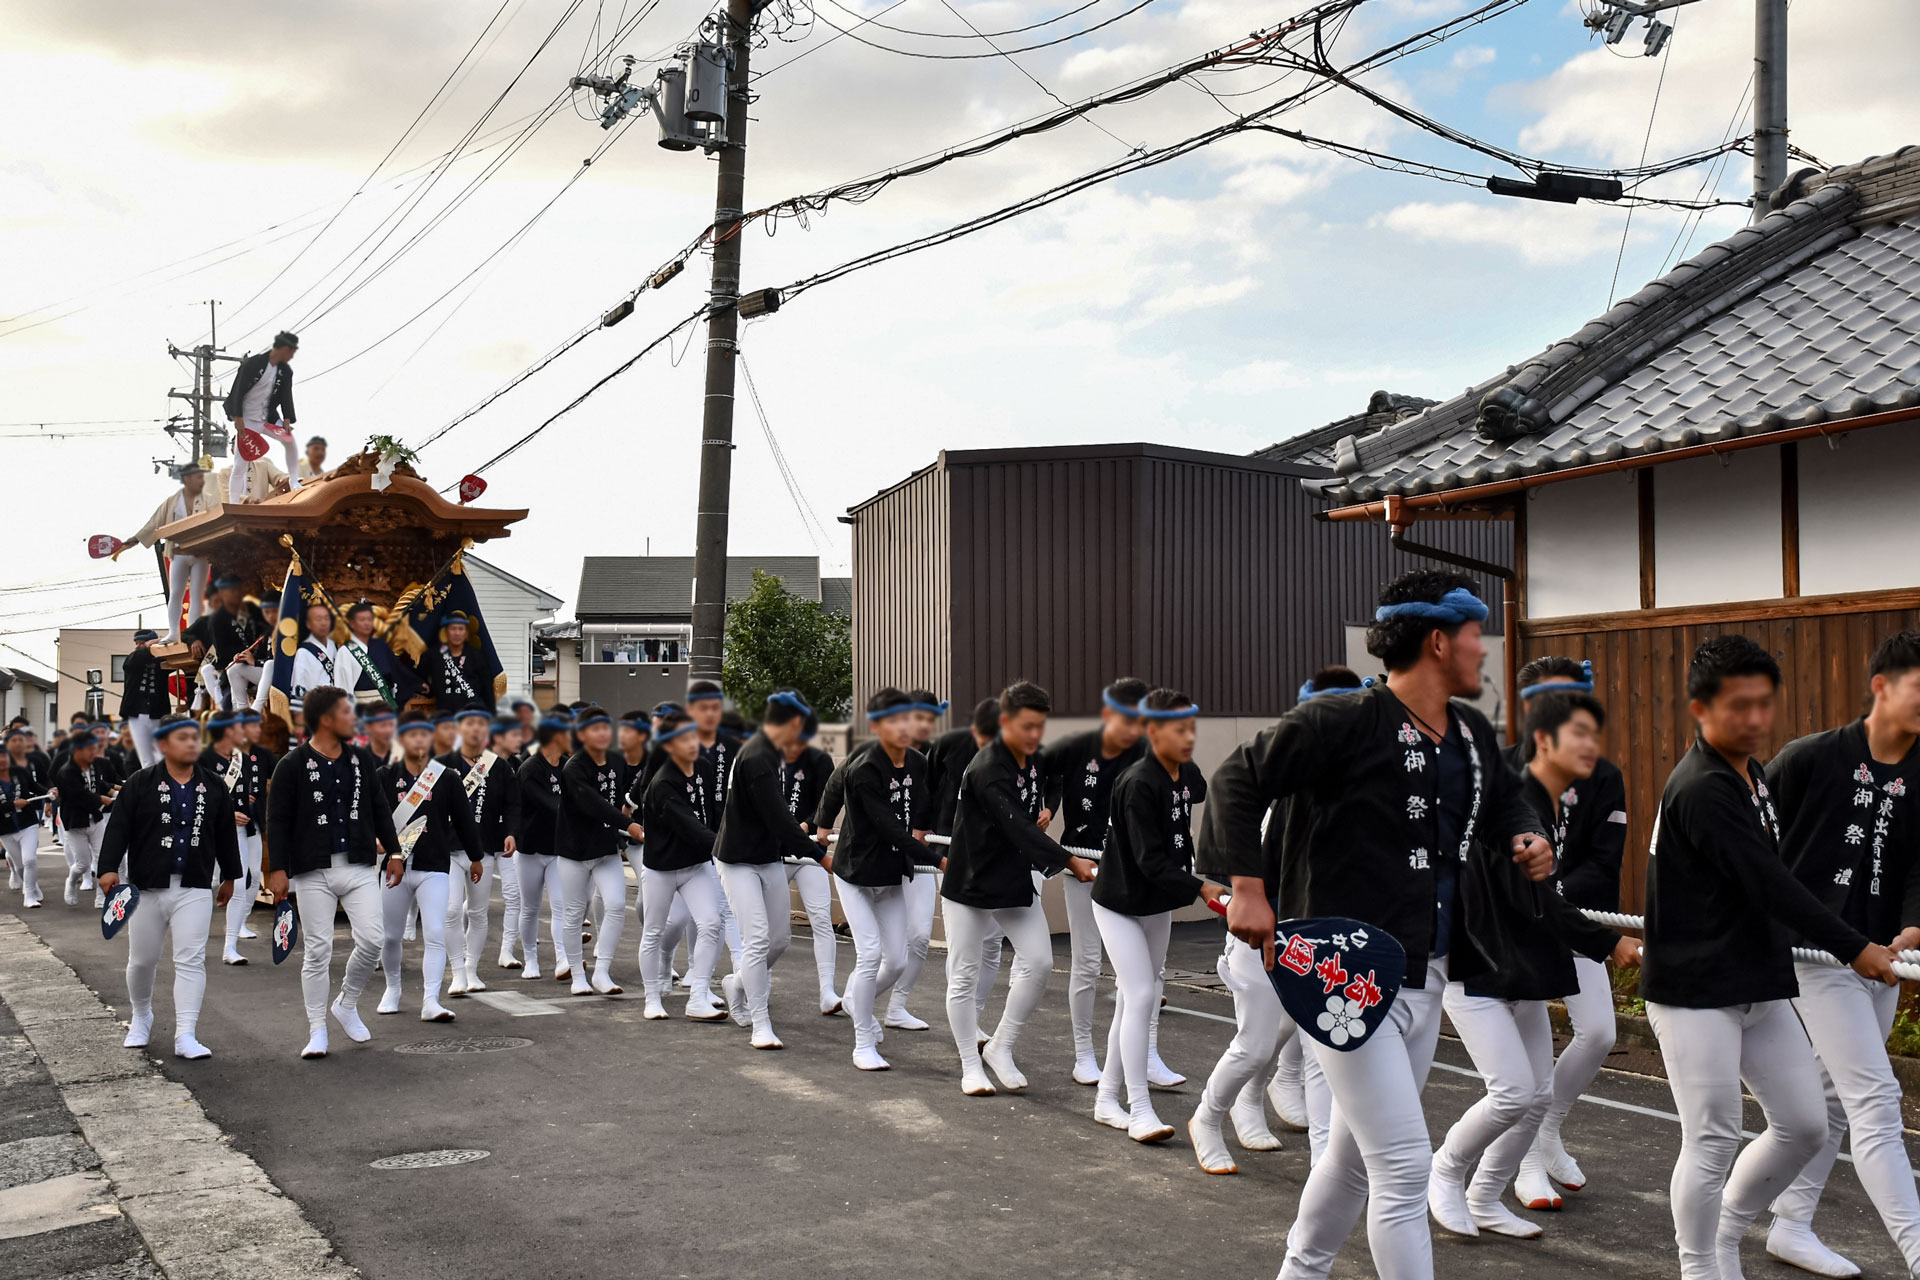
[514, 1004]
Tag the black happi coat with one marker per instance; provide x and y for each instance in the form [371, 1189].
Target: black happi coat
[1517, 935]
[1148, 852]
[803, 781]
[947, 760]
[33, 778]
[833, 796]
[1590, 836]
[144, 690]
[237, 633]
[680, 814]
[298, 841]
[885, 806]
[17, 785]
[1846, 835]
[249, 790]
[141, 830]
[1371, 845]
[720, 758]
[83, 792]
[495, 803]
[1720, 902]
[591, 824]
[437, 667]
[449, 825]
[997, 842]
[756, 826]
[1080, 783]
[539, 804]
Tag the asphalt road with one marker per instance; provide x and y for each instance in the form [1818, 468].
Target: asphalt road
[618, 1146]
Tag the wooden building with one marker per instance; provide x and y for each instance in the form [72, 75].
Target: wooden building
[1735, 447]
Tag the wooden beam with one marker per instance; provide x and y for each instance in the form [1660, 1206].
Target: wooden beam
[1515, 609]
[1643, 491]
[1790, 519]
[1707, 615]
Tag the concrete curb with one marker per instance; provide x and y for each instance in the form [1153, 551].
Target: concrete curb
[206, 1211]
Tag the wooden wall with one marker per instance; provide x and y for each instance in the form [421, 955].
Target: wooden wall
[1640, 673]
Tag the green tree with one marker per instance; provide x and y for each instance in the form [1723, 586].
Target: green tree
[776, 640]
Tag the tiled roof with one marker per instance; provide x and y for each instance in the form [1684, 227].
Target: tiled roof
[1315, 448]
[632, 587]
[1811, 316]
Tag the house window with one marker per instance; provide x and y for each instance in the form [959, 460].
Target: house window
[635, 645]
[118, 664]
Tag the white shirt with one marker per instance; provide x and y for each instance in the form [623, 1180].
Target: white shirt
[253, 406]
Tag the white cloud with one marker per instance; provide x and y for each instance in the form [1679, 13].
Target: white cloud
[1258, 376]
[1552, 235]
[1473, 56]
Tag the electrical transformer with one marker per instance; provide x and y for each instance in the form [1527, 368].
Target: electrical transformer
[707, 84]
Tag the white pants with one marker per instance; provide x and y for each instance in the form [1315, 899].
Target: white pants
[699, 895]
[1848, 1019]
[1709, 1053]
[1378, 1153]
[466, 917]
[1590, 1009]
[920, 896]
[185, 913]
[429, 889]
[182, 568]
[243, 681]
[246, 886]
[142, 728]
[1260, 1025]
[82, 847]
[1137, 945]
[355, 890]
[237, 478]
[1083, 972]
[877, 916]
[510, 905]
[23, 855]
[606, 876]
[537, 875]
[968, 929]
[1319, 1105]
[1511, 1043]
[757, 893]
[815, 884]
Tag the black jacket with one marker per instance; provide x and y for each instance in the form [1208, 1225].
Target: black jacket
[249, 791]
[449, 822]
[1517, 935]
[298, 837]
[755, 825]
[833, 796]
[1371, 842]
[591, 824]
[495, 802]
[125, 760]
[437, 666]
[1844, 834]
[144, 689]
[1148, 850]
[279, 404]
[1720, 901]
[237, 633]
[17, 785]
[141, 830]
[947, 760]
[33, 777]
[1593, 843]
[720, 758]
[679, 814]
[539, 804]
[885, 806]
[803, 781]
[83, 793]
[997, 844]
[1080, 782]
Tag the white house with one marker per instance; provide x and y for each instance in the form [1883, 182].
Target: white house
[512, 608]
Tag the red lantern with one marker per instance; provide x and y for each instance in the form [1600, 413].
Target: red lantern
[102, 545]
[471, 487]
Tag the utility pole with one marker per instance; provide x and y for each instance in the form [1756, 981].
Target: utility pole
[1769, 101]
[207, 439]
[723, 327]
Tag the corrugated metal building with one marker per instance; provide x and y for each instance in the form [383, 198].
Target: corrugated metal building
[1071, 565]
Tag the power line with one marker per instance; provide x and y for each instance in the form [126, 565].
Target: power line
[809, 518]
[948, 35]
[1646, 140]
[1036, 80]
[970, 57]
[32, 587]
[81, 422]
[815, 48]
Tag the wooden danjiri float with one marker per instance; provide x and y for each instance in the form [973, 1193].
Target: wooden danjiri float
[369, 529]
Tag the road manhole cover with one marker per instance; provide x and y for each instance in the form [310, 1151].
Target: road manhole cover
[476, 1044]
[430, 1159]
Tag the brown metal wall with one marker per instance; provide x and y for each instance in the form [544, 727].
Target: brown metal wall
[1212, 576]
[902, 588]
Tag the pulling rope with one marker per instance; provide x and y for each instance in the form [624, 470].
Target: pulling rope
[1091, 855]
[1907, 967]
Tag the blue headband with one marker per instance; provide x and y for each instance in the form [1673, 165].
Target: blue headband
[444, 717]
[216, 723]
[937, 708]
[894, 710]
[1560, 684]
[631, 722]
[788, 698]
[704, 695]
[250, 716]
[1457, 606]
[671, 734]
[16, 733]
[1307, 691]
[378, 716]
[591, 718]
[1114, 704]
[1176, 713]
[173, 724]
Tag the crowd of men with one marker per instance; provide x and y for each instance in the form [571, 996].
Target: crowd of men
[1385, 801]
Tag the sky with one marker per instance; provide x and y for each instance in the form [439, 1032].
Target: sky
[166, 155]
